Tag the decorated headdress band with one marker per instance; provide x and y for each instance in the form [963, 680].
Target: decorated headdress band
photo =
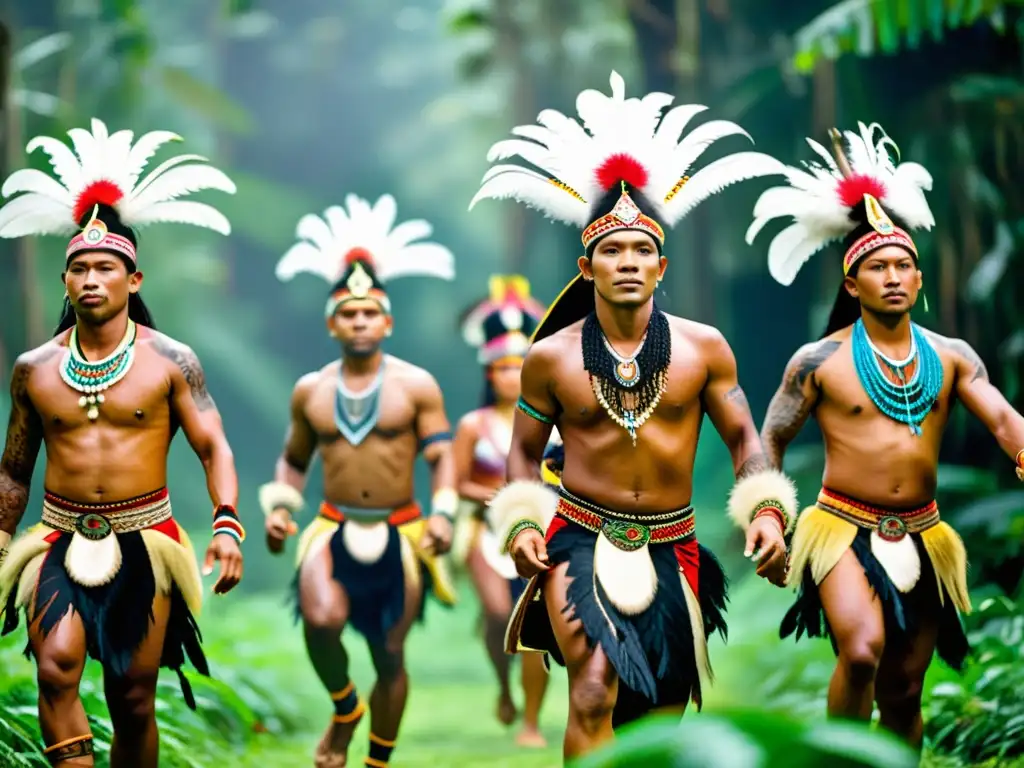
[620, 142]
[104, 169]
[825, 202]
[501, 325]
[357, 251]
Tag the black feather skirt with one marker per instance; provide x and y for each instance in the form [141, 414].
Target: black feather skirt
[901, 612]
[652, 652]
[117, 615]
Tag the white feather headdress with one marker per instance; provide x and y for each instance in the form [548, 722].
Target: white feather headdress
[620, 140]
[360, 240]
[106, 168]
[821, 198]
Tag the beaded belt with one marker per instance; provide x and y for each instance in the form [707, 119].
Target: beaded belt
[404, 514]
[97, 521]
[627, 532]
[892, 525]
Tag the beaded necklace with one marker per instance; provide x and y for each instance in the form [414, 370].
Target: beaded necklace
[910, 401]
[356, 413]
[92, 378]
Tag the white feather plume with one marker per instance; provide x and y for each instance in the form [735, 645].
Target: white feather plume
[566, 155]
[812, 202]
[397, 251]
[46, 205]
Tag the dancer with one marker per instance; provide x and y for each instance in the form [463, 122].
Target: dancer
[878, 572]
[628, 596]
[369, 556]
[108, 572]
[499, 327]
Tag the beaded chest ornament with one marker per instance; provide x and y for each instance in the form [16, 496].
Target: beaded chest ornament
[910, 401]
[93, 378]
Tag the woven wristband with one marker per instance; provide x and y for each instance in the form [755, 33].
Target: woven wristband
[225, 521]
[518, 528]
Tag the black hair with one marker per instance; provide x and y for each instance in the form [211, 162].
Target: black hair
[846, 308]
[137, 309]
[607, 201]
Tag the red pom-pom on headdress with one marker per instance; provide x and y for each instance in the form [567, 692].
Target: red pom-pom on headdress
[100, 192]
[621, 168]
[851, 190]
[359, 254]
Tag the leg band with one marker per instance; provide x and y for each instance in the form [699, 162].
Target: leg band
[347, 706]
[79, 746]
[380, 752]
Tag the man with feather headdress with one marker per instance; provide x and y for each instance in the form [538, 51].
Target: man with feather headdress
[108, 572]
[620, 592]
[370, 554]
[878, 572]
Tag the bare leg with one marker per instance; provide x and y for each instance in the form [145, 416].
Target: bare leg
[131, 699]
[324, 608]
[593, 684]
[854, 613]
[904, 664]
[387, 700]
[497, 604]
[535, 683]
[60, 661]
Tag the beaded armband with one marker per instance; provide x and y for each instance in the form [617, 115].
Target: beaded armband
[225, 520]
[773, 509]
[768, 492]
[516, 529]
[532, 412]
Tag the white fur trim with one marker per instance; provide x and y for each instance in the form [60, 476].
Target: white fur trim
[628, 578]
[275, 494]
[521, 500]
[752, 490]
[899, 559]
[93, 563]
[366, 542]
[490, 547]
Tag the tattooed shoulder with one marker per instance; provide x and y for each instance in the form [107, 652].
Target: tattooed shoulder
[963, 350]
[807, 360]
[182, 356]
[30, 361]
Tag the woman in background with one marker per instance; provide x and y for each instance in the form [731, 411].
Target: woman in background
[499, 328]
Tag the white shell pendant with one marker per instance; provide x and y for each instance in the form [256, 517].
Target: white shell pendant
[899, 558]
[92, 562]
[366, 542]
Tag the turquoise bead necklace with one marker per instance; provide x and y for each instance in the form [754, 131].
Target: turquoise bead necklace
[92, 378]
[910, 401]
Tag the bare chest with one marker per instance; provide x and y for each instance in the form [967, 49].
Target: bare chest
[139, 400]
[580, 395]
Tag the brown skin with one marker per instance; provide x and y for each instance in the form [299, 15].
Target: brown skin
[376, 474]
[861, 442]
[602, 464]
[490, 586]
[121, 455]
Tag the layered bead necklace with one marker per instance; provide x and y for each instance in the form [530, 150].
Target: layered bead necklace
[628, 388]
[910, 401]
[93, 378]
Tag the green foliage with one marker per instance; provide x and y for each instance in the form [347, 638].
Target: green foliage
[749, 739]
[981, 717]
[867, 27]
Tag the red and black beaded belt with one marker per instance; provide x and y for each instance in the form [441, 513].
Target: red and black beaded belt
[891, 524]
[97, 521]
[396, 517]
[627, 532]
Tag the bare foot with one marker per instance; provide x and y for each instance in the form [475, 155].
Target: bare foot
[531, 738]
[507, 712]
[332, 752]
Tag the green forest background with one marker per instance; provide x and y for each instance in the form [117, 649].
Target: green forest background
[303, 102]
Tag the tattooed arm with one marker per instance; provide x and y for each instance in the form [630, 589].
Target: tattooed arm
[795, 399]
[24, 438]
[987, 403]
[197, 413]
[729, 411]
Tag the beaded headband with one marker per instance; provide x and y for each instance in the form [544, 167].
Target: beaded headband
[96, 237]
[625, 215]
